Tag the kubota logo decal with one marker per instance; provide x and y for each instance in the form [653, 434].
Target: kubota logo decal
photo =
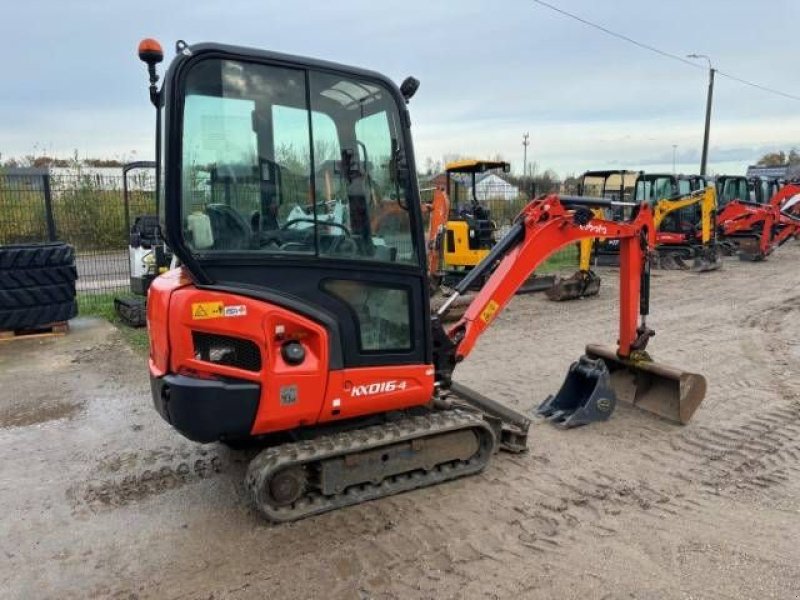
[600, 229]
[379, 387]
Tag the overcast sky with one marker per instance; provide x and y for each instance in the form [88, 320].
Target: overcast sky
[489, 70]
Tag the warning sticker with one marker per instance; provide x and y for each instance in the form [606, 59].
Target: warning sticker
[216, 310]
[488, 311]
[207, 310]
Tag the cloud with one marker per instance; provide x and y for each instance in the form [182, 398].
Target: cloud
[489, 73]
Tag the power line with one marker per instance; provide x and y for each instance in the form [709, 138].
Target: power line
[757, 86]
[663, 53]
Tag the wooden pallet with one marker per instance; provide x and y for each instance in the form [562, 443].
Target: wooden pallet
[48, 330]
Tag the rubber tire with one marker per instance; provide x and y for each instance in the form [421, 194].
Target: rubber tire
[37, 296]
[39, 276]
[26, 256]
[34, 316]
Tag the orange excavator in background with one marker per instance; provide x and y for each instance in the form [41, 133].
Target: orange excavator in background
[755, 228]
[787, 198]
[314, 338]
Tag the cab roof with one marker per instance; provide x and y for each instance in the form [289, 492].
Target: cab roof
[476, 166]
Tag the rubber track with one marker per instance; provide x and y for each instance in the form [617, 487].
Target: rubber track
[274, 459]
[22, 318]
[28, 256]
[36, 296]
[22, 278]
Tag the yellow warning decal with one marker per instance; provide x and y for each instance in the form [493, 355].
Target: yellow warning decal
[207, 310]
[488, 311]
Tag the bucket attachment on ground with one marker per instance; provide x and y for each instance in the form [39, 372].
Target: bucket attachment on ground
[537, 283]
[670, 260]
[727, 248]
[749, 249]
[706, 259]
[670, 393]
[585, 396]
[579, 285]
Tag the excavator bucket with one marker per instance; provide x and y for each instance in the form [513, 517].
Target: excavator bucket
[579, 285]
[537, 283]
[750, 250]
[672, 261]
[585, 396]
[670, 393]
[707, 259]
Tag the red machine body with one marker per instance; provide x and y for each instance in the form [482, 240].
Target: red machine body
[321, 394]
[178, 312]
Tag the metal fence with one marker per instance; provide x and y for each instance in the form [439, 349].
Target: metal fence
[87, 210]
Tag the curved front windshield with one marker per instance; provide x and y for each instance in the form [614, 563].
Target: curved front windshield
[282, 161]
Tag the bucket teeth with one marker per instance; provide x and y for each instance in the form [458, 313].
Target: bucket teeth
[707, 258]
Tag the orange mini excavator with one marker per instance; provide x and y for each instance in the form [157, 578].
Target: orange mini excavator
[756, 228]
[311, 335]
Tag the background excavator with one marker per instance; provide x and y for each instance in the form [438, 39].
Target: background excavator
[461, 232]
[684, 210]
[685, 220]
[752, 226]
[317, 343]
[469, 232]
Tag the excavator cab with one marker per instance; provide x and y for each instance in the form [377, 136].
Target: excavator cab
[291, 199]
[762, 189]
[470, 232]
[730, 188]
[684, 210]
[618, 186]
[691, 183]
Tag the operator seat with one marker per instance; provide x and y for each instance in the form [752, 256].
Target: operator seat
[231, 231]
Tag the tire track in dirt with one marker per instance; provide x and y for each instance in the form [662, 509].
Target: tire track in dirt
[137, 478]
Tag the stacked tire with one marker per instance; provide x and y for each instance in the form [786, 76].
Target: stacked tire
[37, 285]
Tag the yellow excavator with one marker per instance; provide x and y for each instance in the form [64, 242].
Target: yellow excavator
[461, 230]
[469, 233]
[681, 234]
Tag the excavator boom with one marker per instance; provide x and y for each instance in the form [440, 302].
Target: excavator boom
[589, 393]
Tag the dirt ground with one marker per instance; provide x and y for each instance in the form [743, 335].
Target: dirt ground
[100, 499]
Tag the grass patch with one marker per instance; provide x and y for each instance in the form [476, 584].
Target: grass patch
[566, 259]
[102, 305]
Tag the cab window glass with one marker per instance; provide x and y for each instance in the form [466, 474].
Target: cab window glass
[264, 172]
[383, 313]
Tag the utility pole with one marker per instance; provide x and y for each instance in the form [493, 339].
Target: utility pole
[711, 71]
[525, 143]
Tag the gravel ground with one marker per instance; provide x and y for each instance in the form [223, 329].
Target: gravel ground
[102, 500]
